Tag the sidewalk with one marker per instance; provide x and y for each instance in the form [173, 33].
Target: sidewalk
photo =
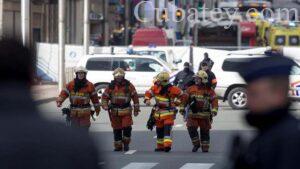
[44, 93]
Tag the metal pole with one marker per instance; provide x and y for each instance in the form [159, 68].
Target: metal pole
[166, 3]
[86, 30]
[155, 13]
[167, 13]
[106, 25]
[196, 25]
[61, 41]
[25, 21]
[192, 56]
[239, 36]
[196, 34]
[1, 18]
[127, 17]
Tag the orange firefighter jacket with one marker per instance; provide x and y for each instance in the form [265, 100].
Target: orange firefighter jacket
[202, 100]
[165, 103]
[81, 98]
[118, 96]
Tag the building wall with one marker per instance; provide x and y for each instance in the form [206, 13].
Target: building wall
[44, 20]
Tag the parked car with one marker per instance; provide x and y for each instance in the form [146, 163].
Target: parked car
[231, 86]
[140, 69]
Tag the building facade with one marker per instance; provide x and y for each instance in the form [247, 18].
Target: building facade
[44, 20]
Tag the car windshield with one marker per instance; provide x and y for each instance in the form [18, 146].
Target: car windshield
[169, 65]
[159, 54]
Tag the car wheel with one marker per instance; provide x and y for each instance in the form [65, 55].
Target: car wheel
[100, 89]
[237, 98]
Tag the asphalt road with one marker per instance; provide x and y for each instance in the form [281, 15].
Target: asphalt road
[142, 155]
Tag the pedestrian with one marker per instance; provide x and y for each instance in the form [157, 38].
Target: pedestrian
[184, 78]
[203, 105]
[167, 97]
[28, 140]
[206, 59]
[80, 92]
[212, 80]
[116, 99]
[276, 143]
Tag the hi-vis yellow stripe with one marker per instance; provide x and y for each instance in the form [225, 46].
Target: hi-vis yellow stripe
[162, 99]
[164, 114]
[167, 140]
[160, 142]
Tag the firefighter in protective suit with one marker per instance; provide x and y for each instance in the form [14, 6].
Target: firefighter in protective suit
[167, 97]
[80, 92]
[116, 99]
[203, 105]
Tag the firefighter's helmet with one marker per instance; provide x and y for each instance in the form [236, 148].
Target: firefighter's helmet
[81, 69]
[119, 72]
[163, 76]
[202, 75]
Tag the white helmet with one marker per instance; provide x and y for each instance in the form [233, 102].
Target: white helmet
[81, 69]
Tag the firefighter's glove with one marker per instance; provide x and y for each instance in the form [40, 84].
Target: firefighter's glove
[182, 110]
[105, 107]
[214, 113]
[177, 101]
[147, 102]
[136, 112]
[59, 101]
[97, 110]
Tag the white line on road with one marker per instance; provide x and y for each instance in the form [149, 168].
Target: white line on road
[140, 166]
[197, 166]
[130, 152]
[178, 125]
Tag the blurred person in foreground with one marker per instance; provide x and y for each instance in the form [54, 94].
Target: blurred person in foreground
[277, 143]
[27, 140]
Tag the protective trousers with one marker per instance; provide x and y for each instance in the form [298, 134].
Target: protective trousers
[122, 137]
[205, 125]
[80, 118]
[164, 139]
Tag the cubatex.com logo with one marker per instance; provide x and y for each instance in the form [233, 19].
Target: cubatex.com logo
[216, 15]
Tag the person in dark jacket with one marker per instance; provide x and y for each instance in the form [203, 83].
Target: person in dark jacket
[277, 142]
[184, 78]
[207, 60]
[27, 140]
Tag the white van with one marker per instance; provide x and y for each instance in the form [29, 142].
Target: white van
[140, 70]
[232, 87]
